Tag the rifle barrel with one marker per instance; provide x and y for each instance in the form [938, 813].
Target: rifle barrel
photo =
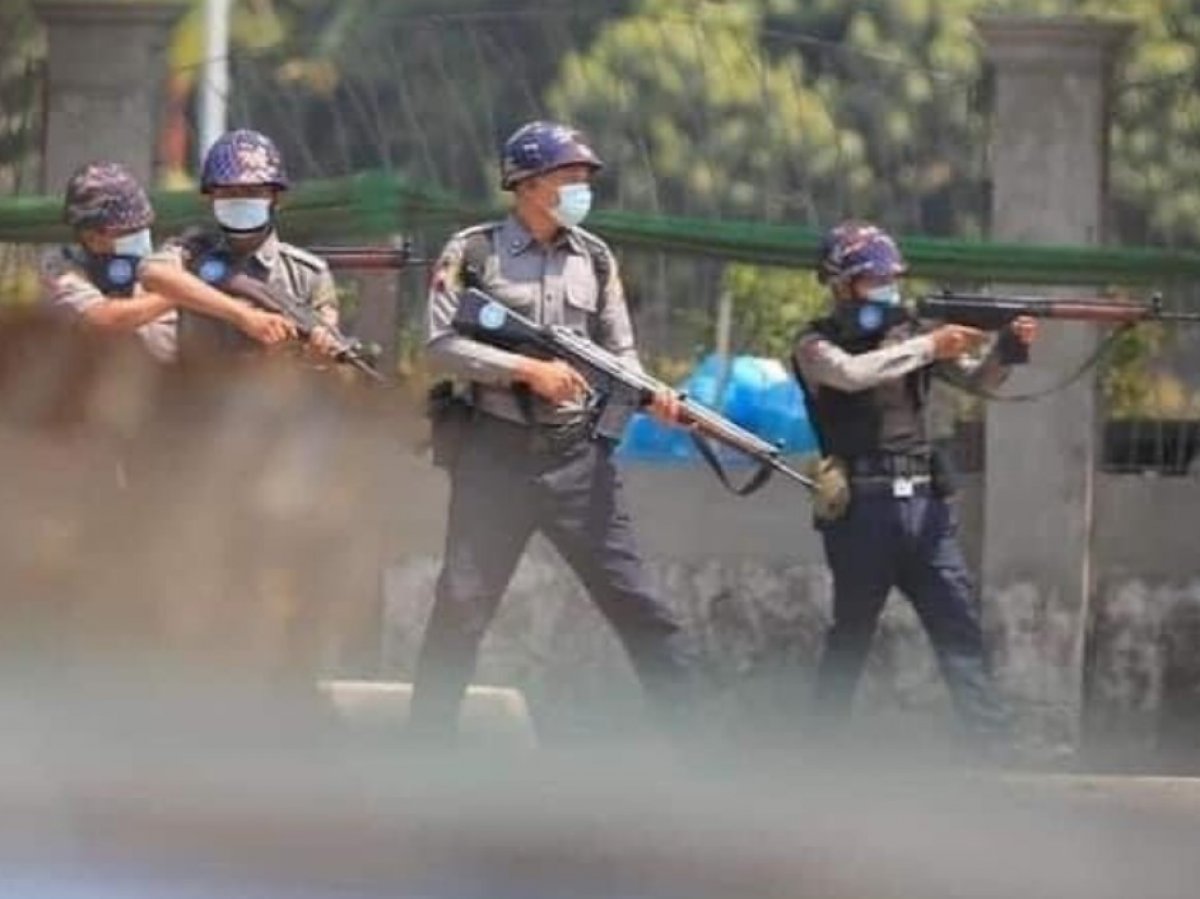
[367, 258]
[1095, 309]
[1119, 313]
[784, 469]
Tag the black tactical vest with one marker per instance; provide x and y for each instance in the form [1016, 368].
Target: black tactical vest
[885, 419]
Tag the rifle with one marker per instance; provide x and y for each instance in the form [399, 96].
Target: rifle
[363, 258]
[991, 313]
[213, 265]
[617, 391]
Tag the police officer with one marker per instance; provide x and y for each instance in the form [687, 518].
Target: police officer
[243, 177]
[526, 463]
[106, 279]
[883, 508]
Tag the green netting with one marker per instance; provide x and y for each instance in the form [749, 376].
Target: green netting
[933, 258]
[373, 205]
[361, 206]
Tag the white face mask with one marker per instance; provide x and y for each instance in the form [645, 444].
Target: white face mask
[242, 213]
[884, 294]
[574, 203]
[138, 244]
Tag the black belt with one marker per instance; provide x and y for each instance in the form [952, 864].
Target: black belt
[889, 465]
[921, 483]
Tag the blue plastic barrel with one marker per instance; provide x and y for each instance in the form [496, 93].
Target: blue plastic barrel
[760, 395]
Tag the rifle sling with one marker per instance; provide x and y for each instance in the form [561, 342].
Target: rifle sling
[709, 455]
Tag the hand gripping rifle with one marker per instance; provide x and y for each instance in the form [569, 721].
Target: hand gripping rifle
[617, 390]
[214, 265]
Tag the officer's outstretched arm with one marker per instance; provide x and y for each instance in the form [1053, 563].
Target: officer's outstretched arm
[822, 362]
[985, 372]
[74, 294]
[125, 315]
[186, 290]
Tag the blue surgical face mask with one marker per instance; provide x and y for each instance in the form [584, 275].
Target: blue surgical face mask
[242, 213]
[138, 244]
[884, 294]
[574, 203]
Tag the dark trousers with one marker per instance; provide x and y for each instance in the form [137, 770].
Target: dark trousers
[503, 489]
[910, 543]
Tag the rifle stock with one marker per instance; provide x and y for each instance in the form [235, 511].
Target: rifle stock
[367, 258]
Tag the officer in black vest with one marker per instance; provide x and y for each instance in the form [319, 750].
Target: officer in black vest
[883, 508]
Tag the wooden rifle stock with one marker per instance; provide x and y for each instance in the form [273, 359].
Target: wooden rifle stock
[368, 258]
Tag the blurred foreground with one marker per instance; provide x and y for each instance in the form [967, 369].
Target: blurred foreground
[110, 792]
[184, 554]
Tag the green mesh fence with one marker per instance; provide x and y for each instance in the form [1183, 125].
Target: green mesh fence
[371, 206]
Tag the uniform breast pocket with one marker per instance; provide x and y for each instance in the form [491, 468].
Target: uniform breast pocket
[580, 304]
[522, 297]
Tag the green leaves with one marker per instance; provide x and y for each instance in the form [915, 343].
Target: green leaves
[697, 120]
[770, 305]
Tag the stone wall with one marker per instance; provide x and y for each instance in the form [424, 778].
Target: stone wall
[747, 578]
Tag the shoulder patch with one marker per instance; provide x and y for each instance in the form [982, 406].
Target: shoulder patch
[446, 274]
[482, 228]
[304, 257]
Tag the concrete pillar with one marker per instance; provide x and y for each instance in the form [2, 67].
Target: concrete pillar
[378, 319]
[1052, 80]
[106, 68]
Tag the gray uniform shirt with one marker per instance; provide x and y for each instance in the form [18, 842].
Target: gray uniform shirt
[550, 284]
[822, 362]
[67, 289]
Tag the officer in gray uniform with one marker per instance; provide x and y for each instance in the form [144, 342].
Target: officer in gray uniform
[244, 177]
[865, 371]
[107, 278]
[526, 462]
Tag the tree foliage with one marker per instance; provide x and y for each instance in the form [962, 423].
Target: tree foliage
[696, 120]
[770, 306]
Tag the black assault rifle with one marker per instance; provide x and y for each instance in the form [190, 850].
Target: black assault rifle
[211, 262]
[617, 390]
[991, 313]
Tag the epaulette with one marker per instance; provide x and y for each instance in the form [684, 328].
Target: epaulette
[594, 242]
[304, 257]
[484, 229]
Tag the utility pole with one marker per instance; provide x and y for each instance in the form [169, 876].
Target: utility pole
[214, 82]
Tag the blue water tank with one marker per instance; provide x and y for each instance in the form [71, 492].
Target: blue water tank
[760, 395]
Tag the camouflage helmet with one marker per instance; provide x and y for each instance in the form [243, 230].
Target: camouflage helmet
[104, 196]
[243, 158]
[540, 147]
[857, 249]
